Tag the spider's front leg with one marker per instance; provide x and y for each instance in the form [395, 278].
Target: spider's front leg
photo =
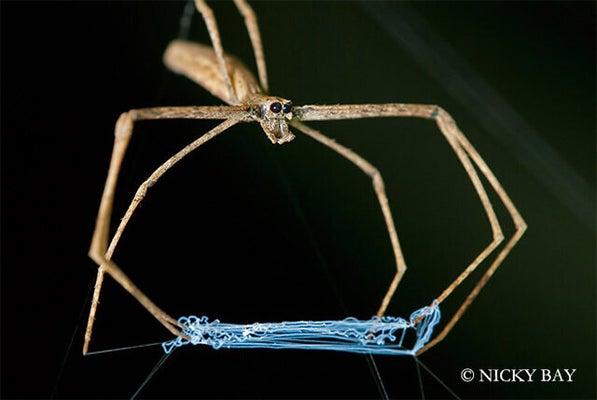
[99, 250]
[469, 159]
[382, 198]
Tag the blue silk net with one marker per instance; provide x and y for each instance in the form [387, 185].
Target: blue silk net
[385, 335]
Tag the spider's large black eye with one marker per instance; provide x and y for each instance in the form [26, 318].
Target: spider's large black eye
[287, 107]
[276, 107]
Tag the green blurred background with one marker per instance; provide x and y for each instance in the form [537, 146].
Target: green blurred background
[245, 231]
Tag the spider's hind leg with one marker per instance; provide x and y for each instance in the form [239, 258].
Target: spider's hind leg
[214, 34]
[253, 28]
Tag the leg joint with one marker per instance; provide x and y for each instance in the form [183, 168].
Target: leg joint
[376, 178]
[124, 126]
[438, 113]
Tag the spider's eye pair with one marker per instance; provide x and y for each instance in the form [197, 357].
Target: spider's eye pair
[276, 107]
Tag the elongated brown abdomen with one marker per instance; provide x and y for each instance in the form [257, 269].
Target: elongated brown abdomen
[199, 63]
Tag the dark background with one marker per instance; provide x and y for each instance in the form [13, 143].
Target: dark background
[244, 231]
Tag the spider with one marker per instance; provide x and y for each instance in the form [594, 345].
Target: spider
[248, 100]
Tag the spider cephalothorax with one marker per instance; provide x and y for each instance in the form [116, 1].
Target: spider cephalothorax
[273, 115]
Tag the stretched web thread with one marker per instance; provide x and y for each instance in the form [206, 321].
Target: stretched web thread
[386, 335]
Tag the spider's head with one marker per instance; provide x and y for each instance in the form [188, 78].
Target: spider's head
[274, 114]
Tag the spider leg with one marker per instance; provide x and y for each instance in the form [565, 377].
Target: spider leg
[468, 157]
[99, 250]
[253, 28]
[380, 192]
[449, 127]
[214, 34]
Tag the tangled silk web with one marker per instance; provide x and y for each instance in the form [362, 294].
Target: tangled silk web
[386, 335]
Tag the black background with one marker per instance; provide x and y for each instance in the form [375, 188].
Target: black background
[245, 231]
